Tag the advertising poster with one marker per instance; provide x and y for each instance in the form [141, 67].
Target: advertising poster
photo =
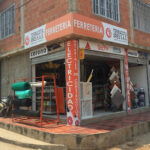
[72, 83]
[127, 81]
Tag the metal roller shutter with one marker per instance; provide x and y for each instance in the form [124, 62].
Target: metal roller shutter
[101, 54]
[50, 57]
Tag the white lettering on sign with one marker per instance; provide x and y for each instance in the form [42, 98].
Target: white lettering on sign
[38, 52]
[69, 74]
[72, 82]
[87, 26]
[58, 28]
[115, 34]
[75, 24]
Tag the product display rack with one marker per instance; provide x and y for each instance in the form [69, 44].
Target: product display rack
[49, 103]
[40, 121]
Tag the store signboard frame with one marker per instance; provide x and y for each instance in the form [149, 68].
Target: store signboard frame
[133, 53]
[94, 46]
[38, 52]
[75, 24]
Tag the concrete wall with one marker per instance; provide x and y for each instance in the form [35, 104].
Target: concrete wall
[17, 66]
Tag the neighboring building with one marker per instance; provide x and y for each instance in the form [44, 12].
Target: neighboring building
[91, 46]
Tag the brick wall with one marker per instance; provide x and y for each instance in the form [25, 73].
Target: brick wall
[39, 12]
[85, 8]
[36, 13]
[141, 38]
[12, 41]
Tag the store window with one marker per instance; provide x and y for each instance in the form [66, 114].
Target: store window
[7, 22]
[107, 8]
[141, 15]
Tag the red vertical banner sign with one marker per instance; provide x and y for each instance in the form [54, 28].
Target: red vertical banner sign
[127, 81]
[72, 83]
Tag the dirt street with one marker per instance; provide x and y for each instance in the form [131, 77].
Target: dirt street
[139, 143]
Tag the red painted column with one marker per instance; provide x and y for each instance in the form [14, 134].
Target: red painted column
[72, 83]
[127, 81]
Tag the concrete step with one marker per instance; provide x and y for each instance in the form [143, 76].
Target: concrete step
[26, 142]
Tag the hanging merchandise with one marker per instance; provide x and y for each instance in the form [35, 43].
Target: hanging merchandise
[136, 97]
[141, 97]
[90, 76]
[117, 100]
[114, 90]
[114, 77]
[116, 95]
[20, 86]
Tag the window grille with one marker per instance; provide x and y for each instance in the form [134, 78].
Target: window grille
[7, 22]
[141, 16]
[107, 8]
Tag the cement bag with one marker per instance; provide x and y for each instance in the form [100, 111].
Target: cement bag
[21, 86]
[23, 94]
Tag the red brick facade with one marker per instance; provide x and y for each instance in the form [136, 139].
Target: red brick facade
[14, 40]
[39, 12]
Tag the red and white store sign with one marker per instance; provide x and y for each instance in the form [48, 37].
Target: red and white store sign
[127, 81]
[78, 25]
[72, 83]
[89, 45]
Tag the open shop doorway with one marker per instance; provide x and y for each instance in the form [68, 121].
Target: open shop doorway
[104, 74]
[56, 68]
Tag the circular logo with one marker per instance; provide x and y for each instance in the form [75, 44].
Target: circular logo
[27, 40]
[70, 120]
[108, 33]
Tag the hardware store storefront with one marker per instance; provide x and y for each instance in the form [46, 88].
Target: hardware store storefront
[93, 77]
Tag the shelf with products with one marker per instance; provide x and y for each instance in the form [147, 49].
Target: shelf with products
[101, 96]
[49, 99]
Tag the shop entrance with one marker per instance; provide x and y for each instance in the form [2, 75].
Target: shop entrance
[56, 68]
[138, 85]
[105, 76]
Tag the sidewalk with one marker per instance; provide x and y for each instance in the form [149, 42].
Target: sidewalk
[100, 135]
[26, 142]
